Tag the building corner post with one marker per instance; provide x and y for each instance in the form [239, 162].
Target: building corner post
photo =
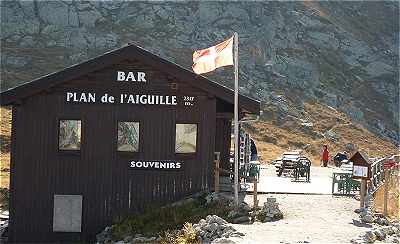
[236, 119]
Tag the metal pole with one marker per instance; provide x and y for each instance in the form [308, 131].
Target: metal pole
[236, 120]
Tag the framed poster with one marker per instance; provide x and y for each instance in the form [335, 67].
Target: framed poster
[361, 166]
[360, 171]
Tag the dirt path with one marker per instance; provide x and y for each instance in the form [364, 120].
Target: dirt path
[307, 218]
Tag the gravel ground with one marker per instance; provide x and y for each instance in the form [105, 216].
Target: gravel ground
[307, 218]
[320, 182]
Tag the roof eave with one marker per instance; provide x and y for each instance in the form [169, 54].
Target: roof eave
[11, 96]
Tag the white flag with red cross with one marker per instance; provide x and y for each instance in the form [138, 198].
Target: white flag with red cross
[209, 59]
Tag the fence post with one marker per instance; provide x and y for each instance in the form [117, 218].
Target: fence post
[216, 183]
[385, 195]
[255, 204]
[363, 192]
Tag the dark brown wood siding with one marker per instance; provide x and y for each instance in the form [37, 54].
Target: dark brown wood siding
[98, 172]
[223, 141]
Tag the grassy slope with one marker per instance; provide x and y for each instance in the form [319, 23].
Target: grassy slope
[273, 139]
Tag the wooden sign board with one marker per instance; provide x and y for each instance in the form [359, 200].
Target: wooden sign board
[361, 166]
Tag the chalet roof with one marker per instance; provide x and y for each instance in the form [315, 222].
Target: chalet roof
[40, 84]
[359, 158]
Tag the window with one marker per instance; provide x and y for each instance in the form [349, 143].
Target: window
[69, 137]
[186, 136]
[128, 136]
[67, 213]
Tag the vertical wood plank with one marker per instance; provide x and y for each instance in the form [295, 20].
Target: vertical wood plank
[363, 191]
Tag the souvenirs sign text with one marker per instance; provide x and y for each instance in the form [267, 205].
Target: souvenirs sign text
[156, 164]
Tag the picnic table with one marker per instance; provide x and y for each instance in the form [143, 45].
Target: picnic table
[293, 164]
[343, 182]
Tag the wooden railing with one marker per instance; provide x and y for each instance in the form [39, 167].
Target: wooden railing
[377, 175]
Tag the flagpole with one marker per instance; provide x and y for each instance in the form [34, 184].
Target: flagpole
[236, 120]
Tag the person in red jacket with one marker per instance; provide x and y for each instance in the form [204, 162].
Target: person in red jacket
[325, 156]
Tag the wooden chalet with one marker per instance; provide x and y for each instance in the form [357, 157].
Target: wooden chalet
[109, 137]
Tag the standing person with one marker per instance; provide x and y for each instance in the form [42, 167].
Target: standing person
[325, 156]
[253, 149]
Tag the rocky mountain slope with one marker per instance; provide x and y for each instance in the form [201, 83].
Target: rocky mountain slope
[340, 54]
[317, 125]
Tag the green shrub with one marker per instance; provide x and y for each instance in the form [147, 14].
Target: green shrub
[157, 221]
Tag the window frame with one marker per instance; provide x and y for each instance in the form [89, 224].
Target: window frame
[82, 138]
[129, 153]
[189, 154]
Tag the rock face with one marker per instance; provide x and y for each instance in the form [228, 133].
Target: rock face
[345, 54]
